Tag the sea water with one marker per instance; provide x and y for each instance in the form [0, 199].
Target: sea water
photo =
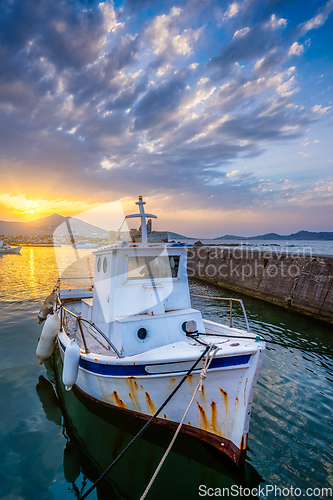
[290, 247]
[54, 444]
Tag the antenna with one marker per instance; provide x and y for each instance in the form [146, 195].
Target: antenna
[143, 216]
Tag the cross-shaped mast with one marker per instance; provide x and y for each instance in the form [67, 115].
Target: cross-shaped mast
[143, 216]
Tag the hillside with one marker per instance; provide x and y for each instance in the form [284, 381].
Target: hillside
[47, 226]
[300, 235]
[172, 236]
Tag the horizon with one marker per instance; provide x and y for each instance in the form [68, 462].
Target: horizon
[218, 113]
[186, 236]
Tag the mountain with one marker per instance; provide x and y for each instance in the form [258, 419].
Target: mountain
[300, 235]
[44, 226]
[307, 235]
[228, 237]
[172, 236]
[47, 226]
[46, 223]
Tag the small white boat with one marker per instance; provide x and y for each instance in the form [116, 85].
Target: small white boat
[9, 249]
[139, 338]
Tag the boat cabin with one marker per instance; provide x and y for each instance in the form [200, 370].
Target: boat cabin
[141, 296]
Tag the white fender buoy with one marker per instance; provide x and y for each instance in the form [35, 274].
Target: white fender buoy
[49, 333]
[71, 364]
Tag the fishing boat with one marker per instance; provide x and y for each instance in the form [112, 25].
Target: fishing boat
[134, 343]
[97, 434]
[8, 249]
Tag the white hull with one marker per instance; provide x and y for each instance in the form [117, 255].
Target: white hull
[220, 414]
[10, 250]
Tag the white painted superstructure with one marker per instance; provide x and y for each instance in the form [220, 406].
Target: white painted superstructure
[134, 330]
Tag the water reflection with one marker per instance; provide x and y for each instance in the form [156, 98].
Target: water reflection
[290, 439]
[34, 273]
[96, 435]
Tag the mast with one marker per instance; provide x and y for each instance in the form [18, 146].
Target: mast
[143, 219]
[143, 216]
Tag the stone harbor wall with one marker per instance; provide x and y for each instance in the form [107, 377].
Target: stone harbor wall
[300, 282]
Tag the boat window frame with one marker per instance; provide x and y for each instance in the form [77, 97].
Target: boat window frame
[153, 280]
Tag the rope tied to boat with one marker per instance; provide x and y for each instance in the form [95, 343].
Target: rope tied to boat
[203, 375]
[93, 486]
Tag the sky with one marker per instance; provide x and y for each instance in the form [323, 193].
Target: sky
[218, 113]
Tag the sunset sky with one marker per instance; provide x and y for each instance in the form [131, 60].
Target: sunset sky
[218, 113]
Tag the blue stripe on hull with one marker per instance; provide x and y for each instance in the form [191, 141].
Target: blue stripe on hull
[136, 370]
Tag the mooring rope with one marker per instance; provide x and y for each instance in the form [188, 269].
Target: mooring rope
[93, 486]
[203, 375]
[268, 341]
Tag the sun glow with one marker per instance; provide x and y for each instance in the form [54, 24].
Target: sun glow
[21, 208]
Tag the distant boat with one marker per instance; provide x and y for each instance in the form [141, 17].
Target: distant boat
[9, 249]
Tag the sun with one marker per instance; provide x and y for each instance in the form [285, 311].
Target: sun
[31, 211]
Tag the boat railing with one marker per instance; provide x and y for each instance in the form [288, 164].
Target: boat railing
[80, 319]
[231, 300]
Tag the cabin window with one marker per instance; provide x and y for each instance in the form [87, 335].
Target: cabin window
[105, 264]
[144, 268]
[142, 333]
[98, 264]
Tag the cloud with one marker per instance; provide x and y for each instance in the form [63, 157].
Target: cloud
[319, 19]
[233, 173]
[296, 49]
[275, 23]
[150, 97]
[241, 32]
[319, 110]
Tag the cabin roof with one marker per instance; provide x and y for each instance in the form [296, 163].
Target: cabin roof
[125, 246]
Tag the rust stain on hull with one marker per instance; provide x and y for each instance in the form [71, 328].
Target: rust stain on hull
[190, 380]
[135, 402]
[245, 387]
[150, 404]
[225, 397]
[119, 402]
[133, 390]
[203, 417]
[243, 443]
[202, 396]
[237, 455]
[102, 390]
[214, 418]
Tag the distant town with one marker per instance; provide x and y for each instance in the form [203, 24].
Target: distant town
[56, 230]
[42, 240]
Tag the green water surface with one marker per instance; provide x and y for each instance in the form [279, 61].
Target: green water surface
[54, 443]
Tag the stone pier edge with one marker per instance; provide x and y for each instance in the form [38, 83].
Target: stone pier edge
[301, 283]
